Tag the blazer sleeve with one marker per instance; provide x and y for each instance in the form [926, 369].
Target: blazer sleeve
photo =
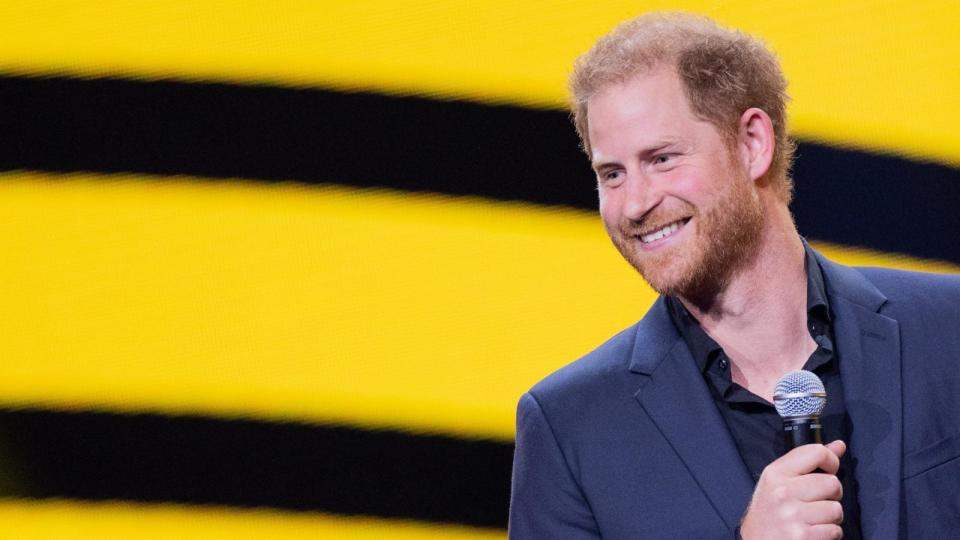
[546, 500]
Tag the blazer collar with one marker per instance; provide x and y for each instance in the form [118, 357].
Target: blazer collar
[677, 400]
[868, 349]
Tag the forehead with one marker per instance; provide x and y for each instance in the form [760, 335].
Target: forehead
[640, 110]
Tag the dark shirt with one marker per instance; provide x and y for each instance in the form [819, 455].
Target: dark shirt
[753, 422]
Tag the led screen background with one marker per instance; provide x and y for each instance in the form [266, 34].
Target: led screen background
[283, 269]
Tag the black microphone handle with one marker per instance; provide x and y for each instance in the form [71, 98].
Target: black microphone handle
[802, 430]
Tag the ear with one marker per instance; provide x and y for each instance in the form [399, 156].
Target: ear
[755, 142]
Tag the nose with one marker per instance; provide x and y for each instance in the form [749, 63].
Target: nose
[642, 194]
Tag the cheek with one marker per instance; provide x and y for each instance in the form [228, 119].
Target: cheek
[687, 183]
[609, 209]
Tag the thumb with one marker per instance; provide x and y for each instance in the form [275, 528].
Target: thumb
[838, 447]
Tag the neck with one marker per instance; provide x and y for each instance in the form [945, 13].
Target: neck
[760, 316]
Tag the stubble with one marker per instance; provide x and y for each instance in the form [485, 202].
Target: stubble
[727, 237]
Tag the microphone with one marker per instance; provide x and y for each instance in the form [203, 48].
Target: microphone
[799, 398]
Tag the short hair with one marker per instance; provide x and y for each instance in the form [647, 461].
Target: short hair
[724, 73]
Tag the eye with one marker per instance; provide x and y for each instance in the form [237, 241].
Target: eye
[612, 177]
[662, 159]
[664, 162]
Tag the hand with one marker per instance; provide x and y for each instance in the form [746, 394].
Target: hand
[795, 500]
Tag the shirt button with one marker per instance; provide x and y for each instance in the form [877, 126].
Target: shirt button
[723, 363]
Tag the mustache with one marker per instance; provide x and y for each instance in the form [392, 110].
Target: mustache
[653, 221]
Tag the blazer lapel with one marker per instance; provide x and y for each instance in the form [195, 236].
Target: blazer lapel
[677, 400]
[868, 348]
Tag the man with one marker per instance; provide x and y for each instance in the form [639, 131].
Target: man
[667, 430]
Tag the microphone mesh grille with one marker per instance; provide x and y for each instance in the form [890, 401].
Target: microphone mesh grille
[799, 382]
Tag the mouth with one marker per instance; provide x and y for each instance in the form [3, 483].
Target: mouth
[663, 232]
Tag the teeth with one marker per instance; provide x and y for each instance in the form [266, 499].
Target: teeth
[656, 235]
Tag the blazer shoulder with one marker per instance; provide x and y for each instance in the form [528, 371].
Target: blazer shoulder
[591, 372]
[904, 288]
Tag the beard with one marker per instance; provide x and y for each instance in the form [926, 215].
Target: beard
[727, 237]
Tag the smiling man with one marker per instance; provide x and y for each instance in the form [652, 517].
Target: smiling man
[667, 430]
[672, 198]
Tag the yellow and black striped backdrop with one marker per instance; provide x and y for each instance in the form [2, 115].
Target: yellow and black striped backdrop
[282, 269]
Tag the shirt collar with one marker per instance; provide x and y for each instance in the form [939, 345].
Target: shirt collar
[817, 304]
[701, 345]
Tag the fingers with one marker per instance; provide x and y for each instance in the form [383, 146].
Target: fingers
[822, 513]
[838, 447]
[797, 496]
[817, 487]
[810, 457]
[826, 532]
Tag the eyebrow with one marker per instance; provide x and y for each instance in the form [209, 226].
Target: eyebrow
[644, 153]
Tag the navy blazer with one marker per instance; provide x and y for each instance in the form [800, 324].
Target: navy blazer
[627, 441]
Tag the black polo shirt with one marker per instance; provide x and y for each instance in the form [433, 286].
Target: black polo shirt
[753, 422]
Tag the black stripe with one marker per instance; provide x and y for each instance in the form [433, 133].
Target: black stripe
[246, 463]
[878, 201]
[271, 133]
[267, 133]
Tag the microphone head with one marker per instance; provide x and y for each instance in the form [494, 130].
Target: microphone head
[799, 393]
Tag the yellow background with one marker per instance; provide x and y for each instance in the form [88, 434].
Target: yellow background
[370, 308]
